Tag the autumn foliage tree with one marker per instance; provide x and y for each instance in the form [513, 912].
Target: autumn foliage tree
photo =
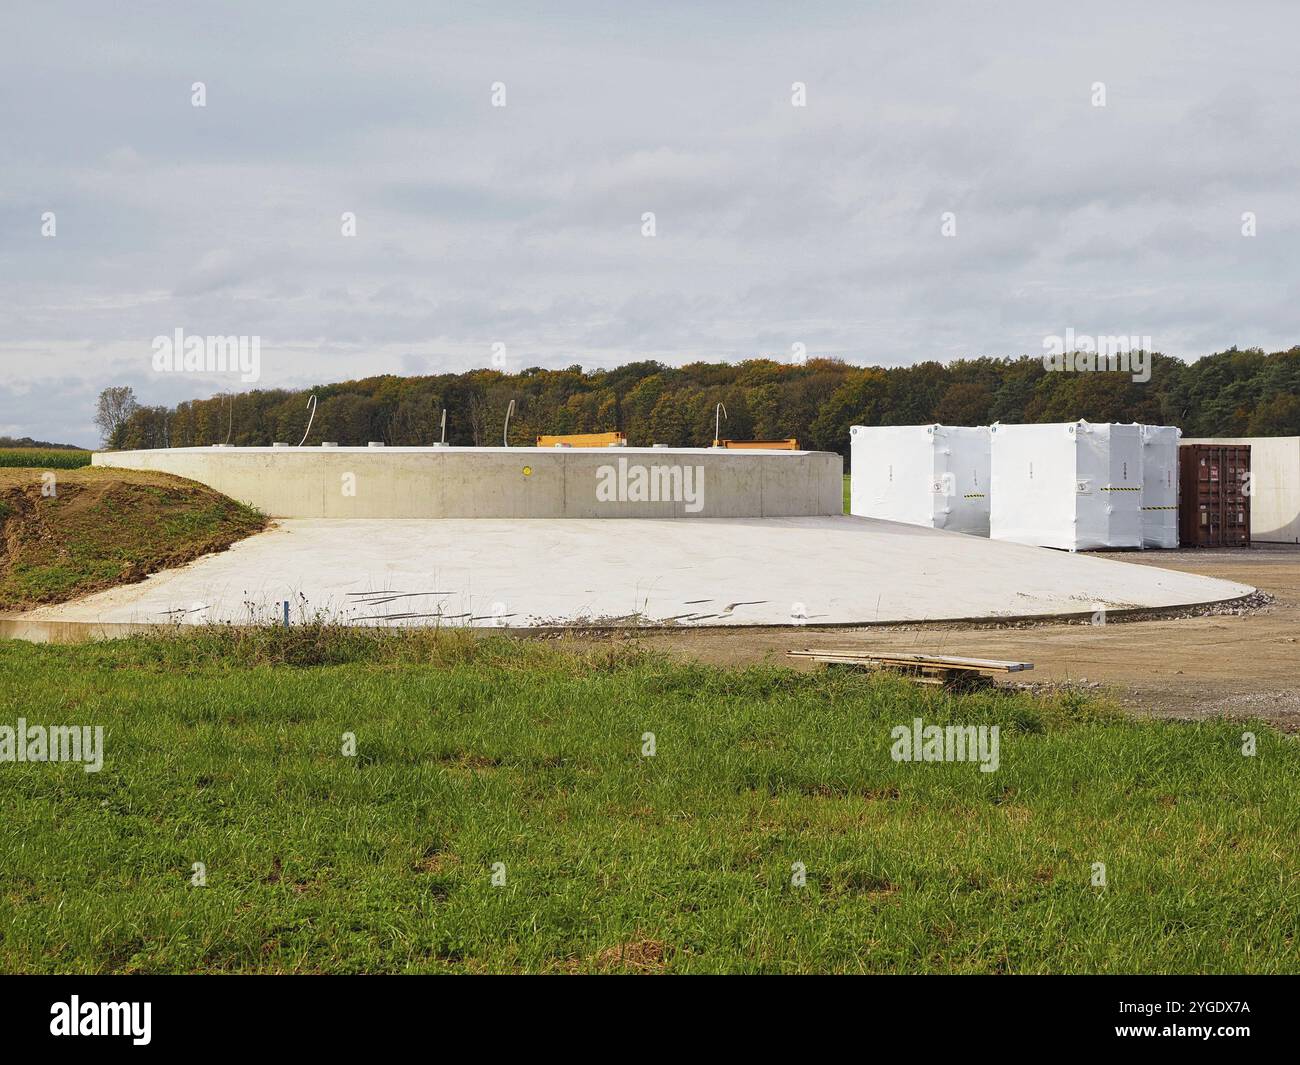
[1229, 393]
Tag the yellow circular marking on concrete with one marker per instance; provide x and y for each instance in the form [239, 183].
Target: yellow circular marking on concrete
[528, 471]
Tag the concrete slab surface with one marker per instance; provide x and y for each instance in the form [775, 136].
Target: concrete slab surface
[572, 571]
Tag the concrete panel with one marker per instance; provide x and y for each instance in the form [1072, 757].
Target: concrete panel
[802, 486]
[1275, 470]
[521, 482]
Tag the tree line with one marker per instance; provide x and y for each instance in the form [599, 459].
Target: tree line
[1230, 393]
[27, 443]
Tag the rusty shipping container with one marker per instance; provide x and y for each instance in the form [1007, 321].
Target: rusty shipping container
[1213, 505]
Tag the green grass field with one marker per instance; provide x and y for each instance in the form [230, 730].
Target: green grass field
[225, 748]
[47, 458]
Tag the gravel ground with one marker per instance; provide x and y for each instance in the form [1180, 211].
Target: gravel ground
[1232, 660]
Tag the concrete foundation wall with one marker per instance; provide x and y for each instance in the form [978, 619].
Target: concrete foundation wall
[517, 482]
[1275, 470]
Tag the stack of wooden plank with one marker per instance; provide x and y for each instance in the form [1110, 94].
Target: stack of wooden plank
[947, 670]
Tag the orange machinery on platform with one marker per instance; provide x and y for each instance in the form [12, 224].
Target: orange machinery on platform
[584, 440]
[759, 445]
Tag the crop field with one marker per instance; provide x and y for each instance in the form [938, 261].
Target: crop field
[315, 800]
[45, 458]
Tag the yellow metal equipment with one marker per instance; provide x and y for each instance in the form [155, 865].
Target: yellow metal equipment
[584, 440]
[759, 445]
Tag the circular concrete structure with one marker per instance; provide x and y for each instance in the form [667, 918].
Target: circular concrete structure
[610, 536]
[513, 482]
[622, 573]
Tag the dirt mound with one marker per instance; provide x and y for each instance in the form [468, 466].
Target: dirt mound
[79, 532]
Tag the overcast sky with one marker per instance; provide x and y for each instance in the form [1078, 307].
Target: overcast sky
[522, 225]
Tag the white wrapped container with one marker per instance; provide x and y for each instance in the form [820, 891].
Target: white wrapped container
[1160, 485]
[1073, 485]
[932, 475]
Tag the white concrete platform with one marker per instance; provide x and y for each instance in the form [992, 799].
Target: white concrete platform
[573, 571]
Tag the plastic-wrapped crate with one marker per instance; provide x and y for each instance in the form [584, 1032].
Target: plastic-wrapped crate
[1160, 485]
[1074, 485]
[932, 475]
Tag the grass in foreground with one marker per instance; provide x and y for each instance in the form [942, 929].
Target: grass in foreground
[224, 748]
[68, 533]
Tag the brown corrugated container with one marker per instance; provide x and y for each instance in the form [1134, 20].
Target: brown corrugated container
[1213, 507]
